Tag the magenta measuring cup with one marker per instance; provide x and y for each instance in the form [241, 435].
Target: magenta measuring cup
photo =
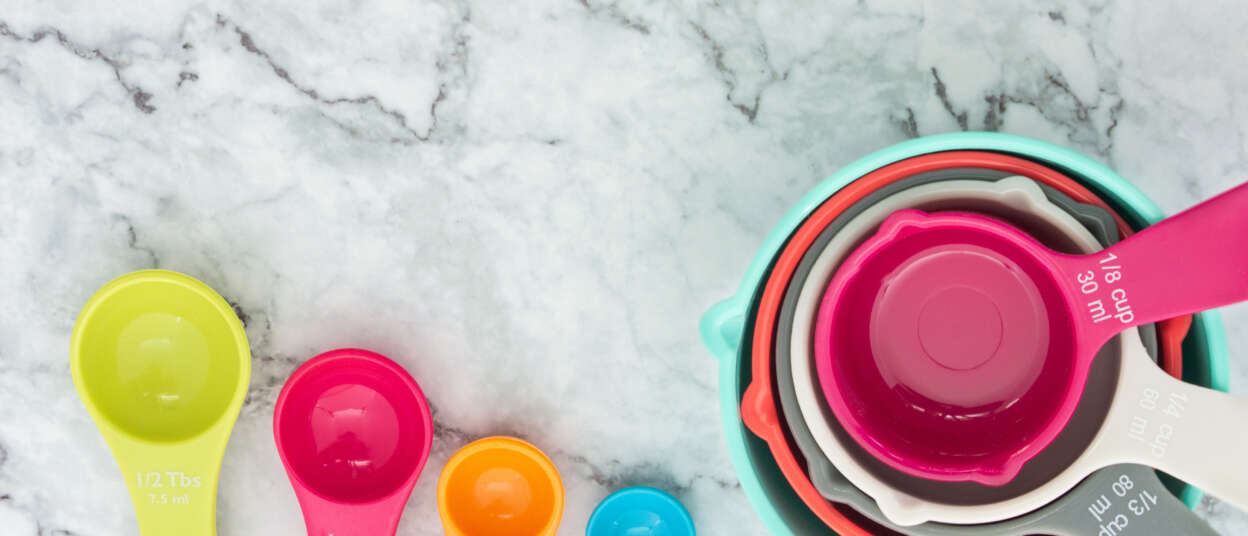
[954, 347]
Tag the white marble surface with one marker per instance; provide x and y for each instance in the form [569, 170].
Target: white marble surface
[527, 204]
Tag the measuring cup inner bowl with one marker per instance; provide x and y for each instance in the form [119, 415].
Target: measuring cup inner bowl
[950, 350]
[160, 360]
[352, 430]
[500, 491]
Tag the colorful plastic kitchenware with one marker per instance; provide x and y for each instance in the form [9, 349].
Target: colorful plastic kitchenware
[1014, 200]
[854, 225]
[1056, 518]
[1017, 199]
[353, 430]
[1007, 269]
[986, 303]
[500, 486]
[727, 328]
[162, 363]
[640, 511]
[776, 283]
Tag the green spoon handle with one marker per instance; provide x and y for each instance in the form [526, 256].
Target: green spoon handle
[173, 486]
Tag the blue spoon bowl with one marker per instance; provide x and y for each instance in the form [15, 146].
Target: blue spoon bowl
[640, 511]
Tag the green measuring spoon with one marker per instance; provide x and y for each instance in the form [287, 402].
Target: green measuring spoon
[162, 364]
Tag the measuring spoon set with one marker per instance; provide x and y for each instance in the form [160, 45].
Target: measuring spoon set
[956, 343]
[162, 364]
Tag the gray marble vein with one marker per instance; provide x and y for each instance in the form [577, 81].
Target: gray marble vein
[527, 204]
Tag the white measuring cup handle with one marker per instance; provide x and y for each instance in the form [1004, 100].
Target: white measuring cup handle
[1193, 433]
[1191, 262]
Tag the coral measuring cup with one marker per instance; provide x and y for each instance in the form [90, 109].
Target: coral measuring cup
[353, 430]
[161, 362]
[951, 294]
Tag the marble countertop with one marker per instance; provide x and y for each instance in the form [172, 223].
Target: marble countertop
[527, 204]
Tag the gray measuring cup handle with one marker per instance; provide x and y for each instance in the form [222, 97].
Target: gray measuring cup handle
[1122, 500]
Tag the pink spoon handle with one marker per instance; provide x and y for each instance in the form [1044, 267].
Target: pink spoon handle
[1188, 263]
[330, 518]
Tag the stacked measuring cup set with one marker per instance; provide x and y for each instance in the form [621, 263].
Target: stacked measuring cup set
[979, 333]
[162, 364]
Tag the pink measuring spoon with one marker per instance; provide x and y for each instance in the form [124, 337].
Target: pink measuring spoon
[353, 430]
[954, 347]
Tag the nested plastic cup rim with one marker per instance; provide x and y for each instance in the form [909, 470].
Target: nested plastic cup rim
[900, 231]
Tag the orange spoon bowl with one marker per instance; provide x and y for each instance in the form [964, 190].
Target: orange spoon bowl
[500, 486]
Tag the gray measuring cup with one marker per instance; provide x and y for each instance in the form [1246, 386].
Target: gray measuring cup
[1152, 510]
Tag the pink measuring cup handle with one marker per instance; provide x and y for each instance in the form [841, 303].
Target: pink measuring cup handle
[325, 517]
[1188, 263]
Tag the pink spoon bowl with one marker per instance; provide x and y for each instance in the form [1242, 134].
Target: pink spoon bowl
[955, 348]
[353, 430]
